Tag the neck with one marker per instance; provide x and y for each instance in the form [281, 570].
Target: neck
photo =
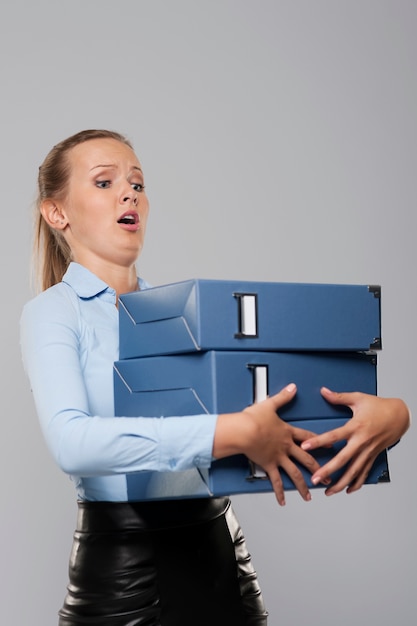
[120, 278]
[123, 284]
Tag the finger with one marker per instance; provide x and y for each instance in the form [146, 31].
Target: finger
[309, 462]
[338, 462]
[352, 480]
[327, 439]
[283, 397]
[295, 474]
[335, 397]
[305, 459]
[301, 434]
[276, 481]
[357, 483]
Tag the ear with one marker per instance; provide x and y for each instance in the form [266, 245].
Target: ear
[53, 215]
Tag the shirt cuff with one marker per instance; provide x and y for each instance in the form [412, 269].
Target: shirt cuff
[186, 442]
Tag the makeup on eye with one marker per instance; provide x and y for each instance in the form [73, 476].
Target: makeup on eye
[105, 184]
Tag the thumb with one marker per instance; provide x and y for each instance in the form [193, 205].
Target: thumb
[335, 397]
[284, 396]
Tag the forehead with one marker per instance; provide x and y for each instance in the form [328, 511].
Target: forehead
[105, 151]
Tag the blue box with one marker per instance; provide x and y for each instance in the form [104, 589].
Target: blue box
[198, 315]
[234, 475]
[227, 381]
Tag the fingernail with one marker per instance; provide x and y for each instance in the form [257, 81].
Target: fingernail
[290, 387]
[316, 480]
[306, 445]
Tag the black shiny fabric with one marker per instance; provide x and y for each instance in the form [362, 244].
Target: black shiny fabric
[171, 563]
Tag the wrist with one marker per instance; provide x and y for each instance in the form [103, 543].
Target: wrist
[233, 433]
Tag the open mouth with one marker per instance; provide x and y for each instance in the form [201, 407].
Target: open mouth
[129, 218]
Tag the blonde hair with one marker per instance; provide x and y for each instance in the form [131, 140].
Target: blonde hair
[51, 253]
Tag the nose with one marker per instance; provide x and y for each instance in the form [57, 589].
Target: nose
[130, 196]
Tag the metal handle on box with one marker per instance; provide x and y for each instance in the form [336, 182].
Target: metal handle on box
[247, 304]
[260, 392]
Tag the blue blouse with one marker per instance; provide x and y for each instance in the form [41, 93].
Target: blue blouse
[69, 342]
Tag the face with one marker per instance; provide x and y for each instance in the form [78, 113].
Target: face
[105, 208]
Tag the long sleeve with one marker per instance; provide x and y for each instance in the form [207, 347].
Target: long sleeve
[69, 345]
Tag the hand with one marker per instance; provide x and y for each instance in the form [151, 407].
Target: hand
[268, 441]
[376, 424]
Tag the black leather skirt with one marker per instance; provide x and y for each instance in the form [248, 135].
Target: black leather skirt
[168, 563]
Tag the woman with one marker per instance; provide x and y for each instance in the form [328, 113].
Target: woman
[133, 562]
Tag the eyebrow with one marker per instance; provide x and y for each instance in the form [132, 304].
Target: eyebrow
[134, 167]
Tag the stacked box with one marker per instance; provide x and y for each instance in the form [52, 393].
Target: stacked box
[198, 315]
[208, 346]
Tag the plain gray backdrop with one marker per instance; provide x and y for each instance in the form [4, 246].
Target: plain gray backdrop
[279, 143]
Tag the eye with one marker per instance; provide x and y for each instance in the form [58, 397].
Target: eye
[138, 187]
[103, 184]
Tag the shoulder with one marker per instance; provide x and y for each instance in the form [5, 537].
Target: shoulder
[57, 302]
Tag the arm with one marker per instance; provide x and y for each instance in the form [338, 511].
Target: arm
[70, 367]
[69, 360]
[376, 424]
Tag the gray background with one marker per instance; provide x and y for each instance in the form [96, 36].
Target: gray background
[279, 143]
